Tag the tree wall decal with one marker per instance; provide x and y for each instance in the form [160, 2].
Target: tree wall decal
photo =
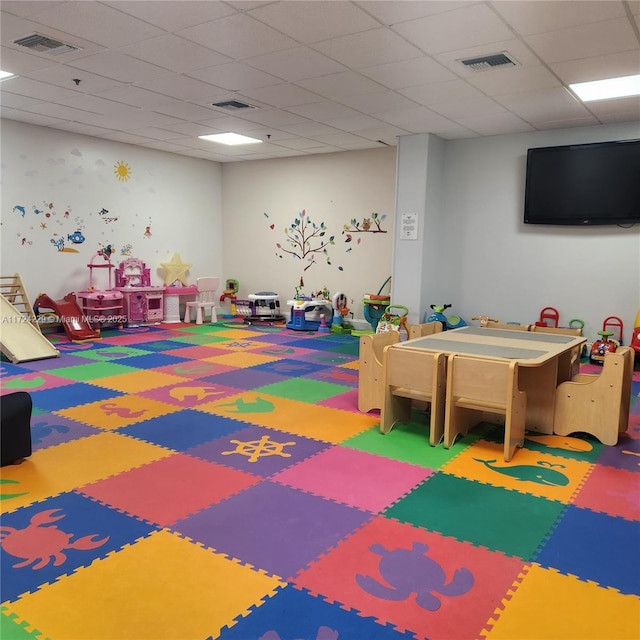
[306, 239]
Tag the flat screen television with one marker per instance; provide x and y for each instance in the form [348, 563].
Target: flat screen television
[583, 184]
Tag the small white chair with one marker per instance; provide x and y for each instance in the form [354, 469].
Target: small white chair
[207, 288]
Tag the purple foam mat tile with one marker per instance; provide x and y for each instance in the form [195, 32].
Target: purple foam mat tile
[248, 378]
[65, 360]
[273, 527]
[258, 450]
[49, 429]
[624, 455]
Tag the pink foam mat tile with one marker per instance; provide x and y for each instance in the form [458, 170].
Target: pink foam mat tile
[613, 491]
[169, 489]
[353, 477]
[36, 381]
[419, 581]
[347, 401]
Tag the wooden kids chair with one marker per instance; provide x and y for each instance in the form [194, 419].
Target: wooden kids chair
[425, 329]
[476, 387]
[597, 404]
[207, 288]
[370, 370]
[413, 375]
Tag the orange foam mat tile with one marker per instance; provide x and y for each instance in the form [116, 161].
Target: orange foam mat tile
[161, 587]
[550, 606]
[241, 359]
[138, 381]
[73, 464]
[528, 471]
[118, 412]
[290, 416]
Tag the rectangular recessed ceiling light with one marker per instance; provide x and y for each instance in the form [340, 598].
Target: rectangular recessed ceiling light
[230, 138]
[607, 89]
[5, 74]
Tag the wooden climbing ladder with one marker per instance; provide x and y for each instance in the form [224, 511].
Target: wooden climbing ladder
[12, 289]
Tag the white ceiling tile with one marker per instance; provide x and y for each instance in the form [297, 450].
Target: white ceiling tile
[333, 67]
[527, 18]
[136, 97]
[172, 16]
[512, 79]
[64, 76]
[296, 64]
[322, 111]
[585, 41]
[339, 85]
[392, 12]
[238, 36]
[97, 22]
[182, 87]
[281, 95]
[545, 105]
[34, 89]
[460, 109]
[118, 67]
[408, 73]
[308, 21]
[614, 65]
[368, 48]
[496, 123]
[472, 26]
[357, 123]
[235, 76]
[378, 102]
[174, 53]
[441, 92]
[22, 62]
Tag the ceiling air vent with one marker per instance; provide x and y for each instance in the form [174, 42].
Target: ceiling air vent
[232, 105]
[37, 42]
[491, 61]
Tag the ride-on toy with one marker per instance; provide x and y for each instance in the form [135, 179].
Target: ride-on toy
[606, 344]
[393, 321]
[452, 322]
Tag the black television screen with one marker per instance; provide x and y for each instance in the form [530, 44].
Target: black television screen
[583, 184]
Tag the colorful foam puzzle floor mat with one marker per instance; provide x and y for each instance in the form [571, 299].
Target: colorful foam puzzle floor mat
[218, 481]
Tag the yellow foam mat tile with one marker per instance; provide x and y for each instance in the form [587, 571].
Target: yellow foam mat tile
[240, 359]
[73, 464]
[351, 365]
[290, 416]
[162, 586]
[549, 605]
[118, 412]
[240, 334]
[528, 471]
[138, 381]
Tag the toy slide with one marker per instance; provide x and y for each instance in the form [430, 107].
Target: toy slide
[19, 339]
[70, 315]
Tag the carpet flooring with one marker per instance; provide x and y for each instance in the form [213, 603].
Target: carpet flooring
[218, 481]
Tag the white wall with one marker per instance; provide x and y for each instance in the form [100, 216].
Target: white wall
[501, 267]
[71, 178]
[332, 189]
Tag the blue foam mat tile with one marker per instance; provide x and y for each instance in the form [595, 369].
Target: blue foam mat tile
[281, 618]
[52, 538]
[596, 547]
[71, 395]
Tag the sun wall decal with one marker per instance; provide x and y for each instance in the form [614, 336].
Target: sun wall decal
[122, 171]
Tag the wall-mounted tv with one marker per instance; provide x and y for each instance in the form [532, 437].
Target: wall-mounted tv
[583, 184]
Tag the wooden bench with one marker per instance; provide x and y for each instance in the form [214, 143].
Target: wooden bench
[476, 390]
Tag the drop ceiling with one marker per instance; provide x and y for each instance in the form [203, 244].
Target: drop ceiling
[319, 76]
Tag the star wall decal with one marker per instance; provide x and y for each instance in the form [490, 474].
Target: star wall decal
[176, 270]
